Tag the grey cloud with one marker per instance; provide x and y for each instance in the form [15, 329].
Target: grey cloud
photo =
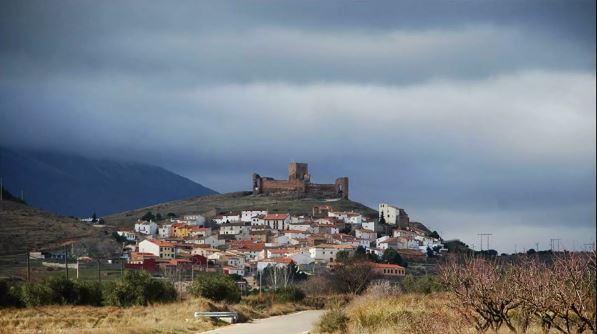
[470, 115]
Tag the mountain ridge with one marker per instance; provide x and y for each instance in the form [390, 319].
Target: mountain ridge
[75, 185]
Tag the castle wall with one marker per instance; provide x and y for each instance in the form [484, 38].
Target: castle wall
[299, 182]
[282, 185]
[322, 188]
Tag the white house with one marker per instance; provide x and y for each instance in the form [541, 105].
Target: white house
[234, 228]
[393, 215]
[143, 227]
[304, 226]
[365, 234]
[209, 240]
[198, 231]
[161, 248]
[246, 216]
[195, 219]
[347, 217]
[165, 231]
[277, 221]
[227, 218]
[372, 225]
[328, 252]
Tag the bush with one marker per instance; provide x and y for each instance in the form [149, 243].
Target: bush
[10, 294]
[89, 293]
[138, 288]
[423, 284]
[289, 294]
[215, 287]
[333, 321]
[36, 294]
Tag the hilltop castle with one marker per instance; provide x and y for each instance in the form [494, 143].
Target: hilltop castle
[299, 181]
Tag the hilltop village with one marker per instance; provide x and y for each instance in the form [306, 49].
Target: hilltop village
[247, 242]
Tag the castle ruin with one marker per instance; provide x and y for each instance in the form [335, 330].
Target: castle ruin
[299, 182]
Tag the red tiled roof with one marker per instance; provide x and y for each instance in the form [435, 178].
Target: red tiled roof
[385, 266]
[162, 243]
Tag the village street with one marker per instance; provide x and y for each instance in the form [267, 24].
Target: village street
[295, 323]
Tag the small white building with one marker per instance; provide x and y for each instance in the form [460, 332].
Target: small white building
[393, 215]
[227, 218]
[148, 228]
[234, 228]
[247, 216]
[209, 240]
[347, 217]
[365, 234]
[165, 231]
[161, 248]
[328, 252]
[372, 225]
[277, 221]
[194, 219]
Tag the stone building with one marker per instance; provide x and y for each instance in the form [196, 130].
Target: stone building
[299, 182]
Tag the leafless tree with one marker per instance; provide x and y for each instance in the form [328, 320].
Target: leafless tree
[557, 293]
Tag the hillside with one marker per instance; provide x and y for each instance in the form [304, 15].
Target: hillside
[74, 185]
[208, 205]
[23, 227]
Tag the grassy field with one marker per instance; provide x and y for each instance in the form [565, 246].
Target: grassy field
[23, 227]
[403, 313]
[161, 318]
[235, 202]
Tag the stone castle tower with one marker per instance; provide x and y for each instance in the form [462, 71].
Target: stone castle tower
[299, 181]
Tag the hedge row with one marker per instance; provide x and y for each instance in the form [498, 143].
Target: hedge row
[134, 288]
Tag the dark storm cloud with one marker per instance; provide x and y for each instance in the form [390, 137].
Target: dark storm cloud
[472, 115]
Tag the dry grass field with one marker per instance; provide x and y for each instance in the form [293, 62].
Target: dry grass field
[160, 318]
[22, 226]
[406, 313]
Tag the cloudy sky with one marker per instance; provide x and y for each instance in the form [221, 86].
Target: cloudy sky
[475, 116]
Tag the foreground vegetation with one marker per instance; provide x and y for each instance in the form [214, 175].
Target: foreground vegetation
[479, 294]
[137, 303]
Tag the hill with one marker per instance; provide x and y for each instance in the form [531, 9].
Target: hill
[209, 205]
[22, 227]
[75, 185]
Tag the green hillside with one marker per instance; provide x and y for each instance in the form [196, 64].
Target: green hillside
[209, 205]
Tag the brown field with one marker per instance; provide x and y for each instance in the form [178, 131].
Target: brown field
[406, 313]
[22, 226]
[160, 318]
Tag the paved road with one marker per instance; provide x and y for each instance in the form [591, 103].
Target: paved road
[295, 323]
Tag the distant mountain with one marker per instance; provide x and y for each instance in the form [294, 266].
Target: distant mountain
[74, 185]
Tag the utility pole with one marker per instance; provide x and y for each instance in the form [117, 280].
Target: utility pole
[481, 235]
[99, 270]
[66, 261]
[22, 195]
[553, 242]
[1, 189]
